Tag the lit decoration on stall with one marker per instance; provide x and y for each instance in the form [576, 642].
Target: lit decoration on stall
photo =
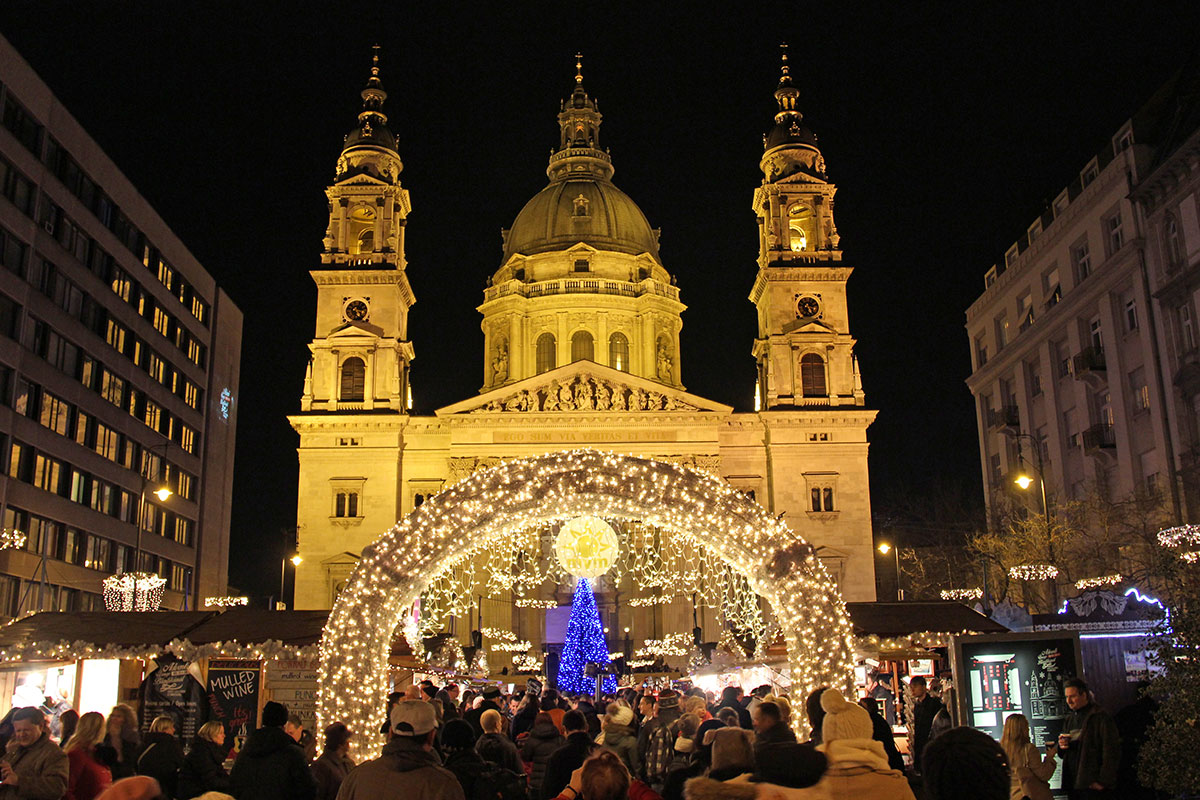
[225, 602]
[1033, 572]
[1095, 583]
[12, 539]
[511, 647]
[962, 595]
[1185, 538]
[642, 602]
[498, 504]
[529, 602]
[133, 591]
[526, 663]
[584, 644]
[673, 644]
[586, 547]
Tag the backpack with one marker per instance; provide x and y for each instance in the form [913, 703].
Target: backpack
[497, 783]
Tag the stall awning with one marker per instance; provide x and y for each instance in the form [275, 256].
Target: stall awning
[102, 628]
[904, 618]
[257, 625]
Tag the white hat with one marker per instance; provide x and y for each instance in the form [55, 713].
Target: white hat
[413, 718]
[843, 719]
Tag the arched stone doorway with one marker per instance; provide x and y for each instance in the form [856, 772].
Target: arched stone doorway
[389, 578]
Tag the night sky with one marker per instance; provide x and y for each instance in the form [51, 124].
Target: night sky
[947, 131]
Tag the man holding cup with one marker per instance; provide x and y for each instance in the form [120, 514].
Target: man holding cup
[1089, 745]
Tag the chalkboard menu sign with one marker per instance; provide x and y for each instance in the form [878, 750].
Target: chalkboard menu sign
[233, 686]
[171, 690]
[998, 675]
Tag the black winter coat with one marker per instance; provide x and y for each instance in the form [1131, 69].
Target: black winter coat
[543, 740]
[563, 762]
[160, 758]
[467, 766]
[499, 749]
[272, 767]
[203, 770]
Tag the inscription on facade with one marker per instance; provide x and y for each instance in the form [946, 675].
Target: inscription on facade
[584, 436]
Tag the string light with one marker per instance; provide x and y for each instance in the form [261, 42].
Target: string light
[12, 539]
[641, 602]
[1095, 583]
[1181, 535]
[974, 593]
[507, 500]
[1033, 572]
[529, 602]
[225, 602]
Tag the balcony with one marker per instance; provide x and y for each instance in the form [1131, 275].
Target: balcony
[1099, 440]
[1004, 417]
[581, 286]
[1090, 365]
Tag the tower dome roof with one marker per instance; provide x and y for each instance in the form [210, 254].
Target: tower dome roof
[371, 147]
[581, 204]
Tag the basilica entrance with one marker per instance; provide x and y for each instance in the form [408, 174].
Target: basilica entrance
[707, 521]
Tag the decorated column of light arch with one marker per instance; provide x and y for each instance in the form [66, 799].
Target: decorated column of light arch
[555, 487]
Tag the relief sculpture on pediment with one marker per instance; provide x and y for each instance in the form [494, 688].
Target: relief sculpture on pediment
[586, 393]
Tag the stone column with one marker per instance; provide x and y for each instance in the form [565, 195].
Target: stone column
[342, 204]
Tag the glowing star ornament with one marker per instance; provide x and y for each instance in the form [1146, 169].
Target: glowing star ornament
[587, 547]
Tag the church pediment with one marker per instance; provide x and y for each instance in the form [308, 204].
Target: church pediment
[353, 329]
[583, 386]
[808, 326]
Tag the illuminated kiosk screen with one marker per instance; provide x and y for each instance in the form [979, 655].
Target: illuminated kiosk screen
[1022, 673]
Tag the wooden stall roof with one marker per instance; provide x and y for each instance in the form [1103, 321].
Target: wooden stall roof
[101, 628]
[255, 625]
[917, 616]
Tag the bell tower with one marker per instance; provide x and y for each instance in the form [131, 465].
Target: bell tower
[360, 350]
[804, 351]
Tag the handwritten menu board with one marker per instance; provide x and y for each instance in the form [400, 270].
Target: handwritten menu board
[294, 683]
[233, 686]
[170, 690]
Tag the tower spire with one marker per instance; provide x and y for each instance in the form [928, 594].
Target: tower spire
[579, 134]
[579, 69]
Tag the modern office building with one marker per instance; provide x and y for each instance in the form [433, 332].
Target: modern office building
[1084, 341]
[119, 359]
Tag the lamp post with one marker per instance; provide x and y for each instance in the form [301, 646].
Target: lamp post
[296, 561]
[1023, 480]
[886, 548]
[139, 590]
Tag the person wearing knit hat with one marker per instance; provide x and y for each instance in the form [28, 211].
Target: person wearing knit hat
[858, 765]
[270, 763]
[617, 730]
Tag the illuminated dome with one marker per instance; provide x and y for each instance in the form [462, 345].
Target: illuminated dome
[581, 204]
[790, 148]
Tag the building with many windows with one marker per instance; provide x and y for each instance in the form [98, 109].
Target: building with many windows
[1084, 341]
[119, 359]
[580, 323]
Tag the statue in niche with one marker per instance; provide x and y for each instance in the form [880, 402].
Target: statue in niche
[551, 402]
[583, 395]
[618, 399]
[637, 400]
[664, 362]
[566, 400]
[603, 396]
[500, 362]
[653, 401]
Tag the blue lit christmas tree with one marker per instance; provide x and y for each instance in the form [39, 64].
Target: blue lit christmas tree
[585, 643]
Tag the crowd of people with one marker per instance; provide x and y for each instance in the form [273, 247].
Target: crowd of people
[454, 744]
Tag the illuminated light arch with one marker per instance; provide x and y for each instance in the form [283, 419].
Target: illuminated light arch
[389, 578]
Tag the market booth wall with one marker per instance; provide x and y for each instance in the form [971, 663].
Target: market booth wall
[194, 666]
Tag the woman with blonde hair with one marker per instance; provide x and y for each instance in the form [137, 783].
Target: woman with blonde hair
[161, 755]
[87, 777]
[1030, 772]
[785, 707]
[203, 768]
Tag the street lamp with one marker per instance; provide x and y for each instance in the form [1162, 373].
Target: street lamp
[296, 561]
[886, 548]
[1023, 480]
[139, 590]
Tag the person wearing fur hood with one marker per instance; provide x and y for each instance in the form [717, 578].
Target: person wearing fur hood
[793, 772]
[858, 765]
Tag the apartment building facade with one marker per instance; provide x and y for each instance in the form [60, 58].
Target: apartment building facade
[119, 359]
[1083, 331]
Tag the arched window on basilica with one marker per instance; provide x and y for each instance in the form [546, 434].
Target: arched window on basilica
[618, 352]
[354, 380]
[801, 228]
[366, 241]
[812, 375]
[546, 358]
[582, 347]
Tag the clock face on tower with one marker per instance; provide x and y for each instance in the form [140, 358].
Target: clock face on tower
[356, 310]
[807, 307]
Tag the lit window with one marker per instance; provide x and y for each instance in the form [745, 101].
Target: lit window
[618, 352]
[546, 356]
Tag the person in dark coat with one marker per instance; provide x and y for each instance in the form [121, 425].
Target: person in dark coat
[541, 743]
[769, 727]
[925, 708]
[696, 765]
[1089, 744]
[121, 744]
[458, 742]
[203, 768]
[161, 756]
[496, 747]
[330, 768]
[731, 697]
[584, 706]
[271, 765]
[522, 721]
[568, 758]
[491, 698]
[882, 733]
